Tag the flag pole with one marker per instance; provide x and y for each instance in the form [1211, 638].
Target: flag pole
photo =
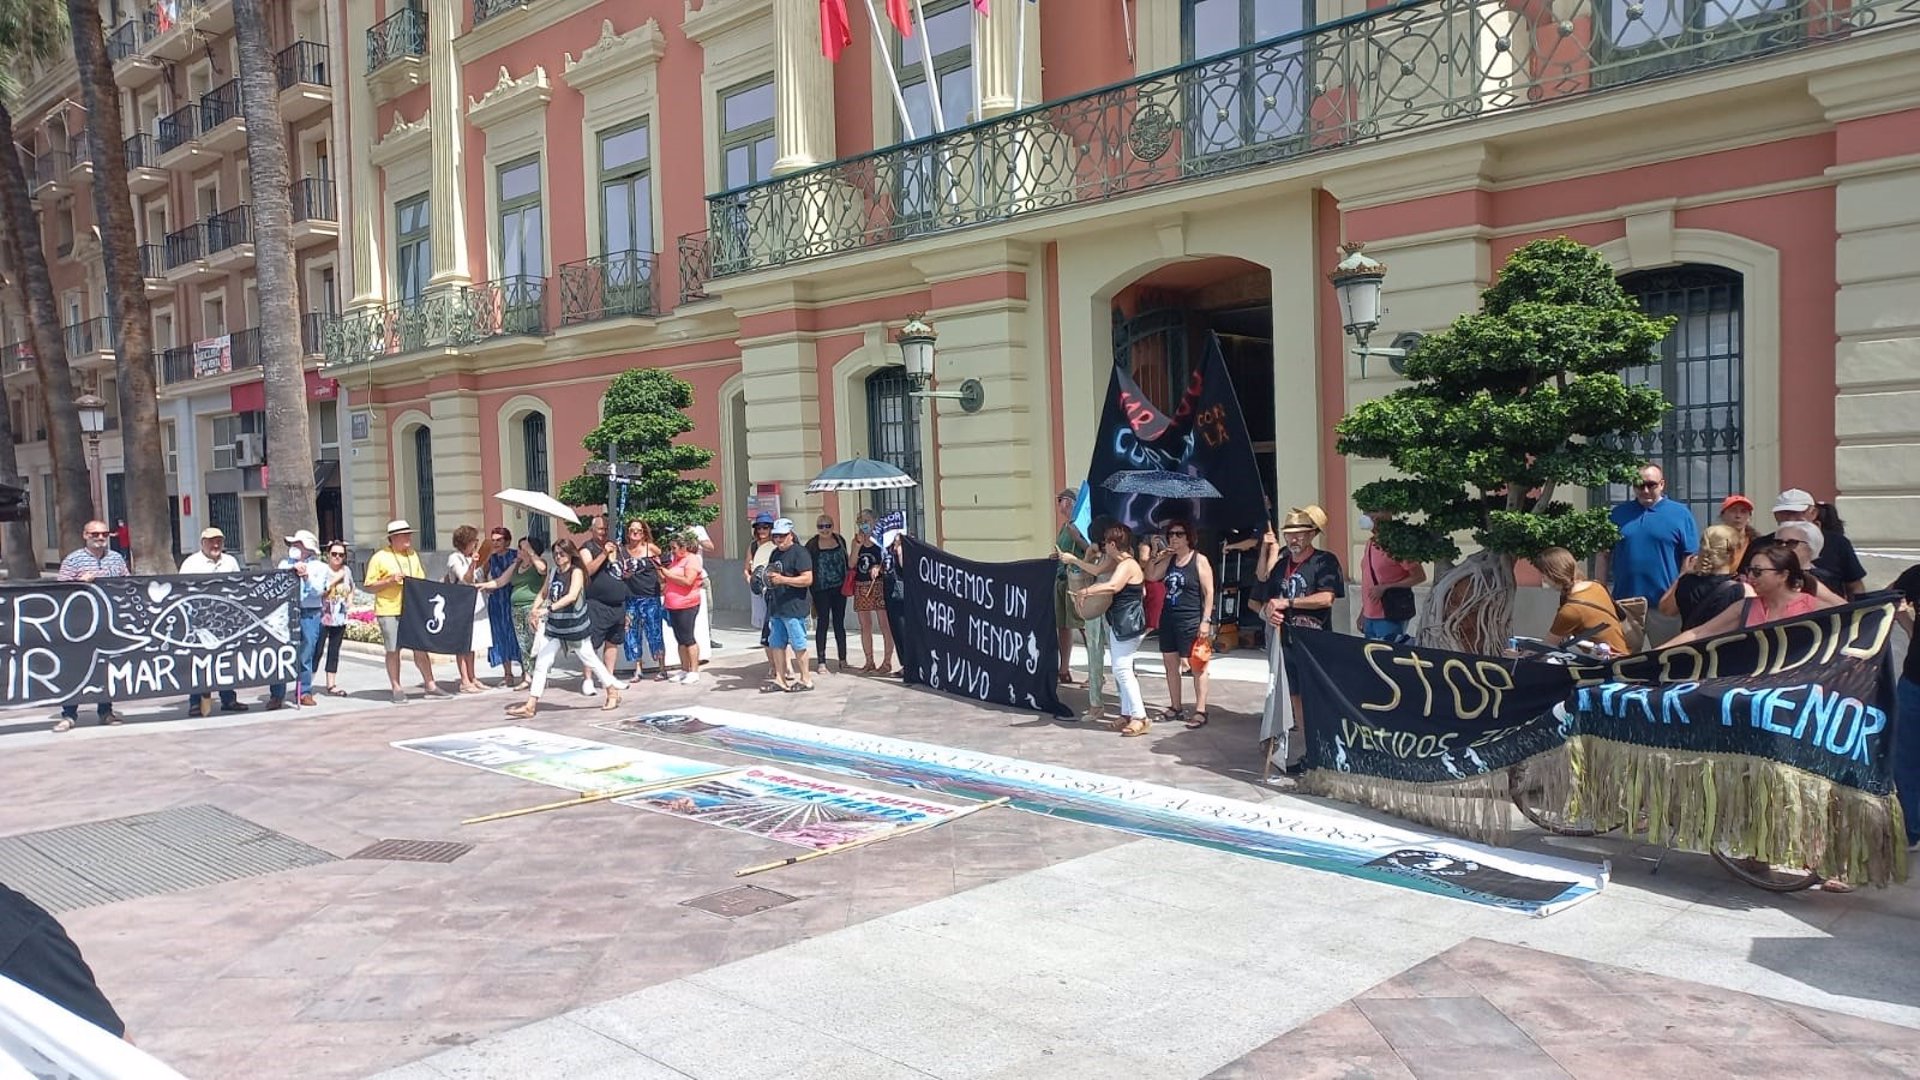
[1126, 28]
[1020, 56]
[893, 77]
[973, 44]
[926, 65]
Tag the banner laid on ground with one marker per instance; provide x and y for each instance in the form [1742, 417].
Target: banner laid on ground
[1520, 881]
[437, 616]
[140, 637]
[1203, 435]
[555, 760]
[791, 808]
[980, 630]
[1773, 741]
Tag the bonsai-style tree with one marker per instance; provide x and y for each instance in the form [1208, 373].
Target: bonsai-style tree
[644, 414]
[1507, 405]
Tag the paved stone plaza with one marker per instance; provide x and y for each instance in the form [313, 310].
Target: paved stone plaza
[1004, 945]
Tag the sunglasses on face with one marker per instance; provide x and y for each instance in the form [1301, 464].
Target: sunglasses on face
[1176, 533]
[336, 554]
[1647, 485]
[824, 526]
[97, 535]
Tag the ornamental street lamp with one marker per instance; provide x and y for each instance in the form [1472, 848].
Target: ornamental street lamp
[93, 420]
[1357, 282]
[916, 351]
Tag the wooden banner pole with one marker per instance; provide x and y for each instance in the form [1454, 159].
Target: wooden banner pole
[602, 796]
[874, 839]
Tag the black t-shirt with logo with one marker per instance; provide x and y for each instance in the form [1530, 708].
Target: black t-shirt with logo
[789, 601]
[605, 587]
[1319, 572]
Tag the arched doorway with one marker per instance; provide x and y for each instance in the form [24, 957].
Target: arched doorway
[893, 436]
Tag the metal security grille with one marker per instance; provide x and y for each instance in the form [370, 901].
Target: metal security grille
[1701, 371]
[739, 901]
[425, 539]
[100, 862]
[893, 435]
[533, 432]
[428, 851]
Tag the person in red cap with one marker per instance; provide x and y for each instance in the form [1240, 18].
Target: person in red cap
[1736, 513]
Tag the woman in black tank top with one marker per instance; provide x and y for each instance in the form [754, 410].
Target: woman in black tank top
[1186, 620]
[1126, 624]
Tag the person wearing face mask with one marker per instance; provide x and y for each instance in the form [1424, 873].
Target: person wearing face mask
[1301, 583]
[1386, 586]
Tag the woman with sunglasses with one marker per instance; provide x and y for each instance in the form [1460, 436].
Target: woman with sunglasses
[1778, 587]
[504, 652]
[562, 612]
[646, 619]
[1126, 619]
[1186, 620]
[870, 598]
[828, 549]
[336, 599]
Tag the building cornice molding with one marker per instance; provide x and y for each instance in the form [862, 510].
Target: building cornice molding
[402, 139]
[719, 16]
[510, 97]
[514, 25]
[615, 55]
[1889, 84]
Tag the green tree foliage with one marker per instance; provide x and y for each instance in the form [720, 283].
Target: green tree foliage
[1508, 404]
[645, 413]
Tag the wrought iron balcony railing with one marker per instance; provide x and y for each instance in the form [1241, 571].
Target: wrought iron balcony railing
[696, 266]
[229, 228]
[90, 336]
[177, 128]
[49, 167]
[313, 332]
[141, 151]
[446, 319]
[303, 62]
[313, 199]
[176, 365]
[219, 105]
[613, 286]
[186, 245]
[125, 41]
[403, 33]
[1409, 67]
[244, 346]
[153, 260]
[487, 9]
[80, 150]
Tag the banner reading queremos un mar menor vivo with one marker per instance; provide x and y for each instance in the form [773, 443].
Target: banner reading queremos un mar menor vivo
[980, 630]
[1773, 741]
[1519, 881]
[126, 638]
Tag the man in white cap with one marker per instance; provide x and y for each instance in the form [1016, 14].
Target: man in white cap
[303, 558]
[212, 558]
[1837, 566]
[387, 573]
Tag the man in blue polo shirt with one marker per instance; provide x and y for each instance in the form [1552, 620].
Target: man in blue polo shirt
[1657, 535]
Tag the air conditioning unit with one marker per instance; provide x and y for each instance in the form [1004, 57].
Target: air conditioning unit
[248, 451]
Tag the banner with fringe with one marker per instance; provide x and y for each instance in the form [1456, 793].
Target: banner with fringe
[1772, 742]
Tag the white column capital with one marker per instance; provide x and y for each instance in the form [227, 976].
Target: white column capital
[803, 90]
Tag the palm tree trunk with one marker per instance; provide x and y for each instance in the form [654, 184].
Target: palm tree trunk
[290, 482]
[148, 517]
[19, 227]
[17, 536]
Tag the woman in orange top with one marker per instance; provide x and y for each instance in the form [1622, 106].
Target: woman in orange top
[1586, 608]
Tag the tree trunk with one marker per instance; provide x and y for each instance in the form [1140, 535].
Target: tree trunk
[17, 536]
[1470, 609]
[20, 227]
[149, 520]
[289, 449]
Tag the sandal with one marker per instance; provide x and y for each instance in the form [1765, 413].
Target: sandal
[1136, 727]
[64, 724]
[774, 686]
[1197, 720]
[1170, 715]
[334, 691]
[522, 711]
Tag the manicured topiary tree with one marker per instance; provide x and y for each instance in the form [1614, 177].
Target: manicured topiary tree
[1506, 406]
[645, 413]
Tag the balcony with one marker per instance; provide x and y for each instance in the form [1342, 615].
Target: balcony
[174, 135]
[80, 160]
[316, 215]
[313, 333]
[230, 239]
[617, 286]
[487, 9]
[172, 40]
[245, 345]
[126, 50]
[447, 320]
[144, 174]
[1383, 73]
[17, 359]
[396, 53]
[90, 340]
[305, 78]
[153, 269]
[222, 128]
[176, 365]
[50, 175]
[187, 255]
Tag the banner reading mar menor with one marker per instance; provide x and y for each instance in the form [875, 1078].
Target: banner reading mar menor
[1773, 741]
[980, 630]
[140, 637]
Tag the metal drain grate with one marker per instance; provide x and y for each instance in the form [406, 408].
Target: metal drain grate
[101, 862]
[741, 900]
[438, 851]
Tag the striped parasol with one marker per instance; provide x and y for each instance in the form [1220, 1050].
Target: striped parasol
[860, 474]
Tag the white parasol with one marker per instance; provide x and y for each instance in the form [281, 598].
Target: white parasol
[538, 502]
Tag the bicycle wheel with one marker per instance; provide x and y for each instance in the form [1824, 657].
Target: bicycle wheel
[1526, 790]
[1763, 875]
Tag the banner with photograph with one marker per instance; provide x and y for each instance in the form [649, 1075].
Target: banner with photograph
[1291, 833]
[790, 808]
[126, 638]
[980, 630]
[560, 761]
[1773, 741]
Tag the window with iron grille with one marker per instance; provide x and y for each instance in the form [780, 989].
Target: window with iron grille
[423, 488]
[893, 436]
[1700, 442]
[533, 434]
[223, 513]
[1251, 105]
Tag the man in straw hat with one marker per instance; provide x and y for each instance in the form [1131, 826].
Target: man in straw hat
[387, 573]
[1300, 584]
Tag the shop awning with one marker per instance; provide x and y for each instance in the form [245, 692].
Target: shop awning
[252, 397]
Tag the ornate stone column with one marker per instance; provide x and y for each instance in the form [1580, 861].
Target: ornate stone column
[803, 90]
[995, 41]
[354, 127]
[446, 192]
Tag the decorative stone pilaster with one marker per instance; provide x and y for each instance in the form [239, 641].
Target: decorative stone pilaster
[458, 495]
[355, 126]
[371, 491]
[447, 196]
[803, 90]
[996, 41]
[781, 379]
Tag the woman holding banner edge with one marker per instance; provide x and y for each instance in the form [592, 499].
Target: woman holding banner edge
[1126, 619]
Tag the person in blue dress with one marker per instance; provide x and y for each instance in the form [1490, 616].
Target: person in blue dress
[505, 650]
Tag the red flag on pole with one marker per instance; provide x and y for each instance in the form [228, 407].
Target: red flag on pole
[835, 32]
[980, 6]
[900, 16]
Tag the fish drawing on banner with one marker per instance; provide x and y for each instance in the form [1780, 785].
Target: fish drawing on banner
[209, 622]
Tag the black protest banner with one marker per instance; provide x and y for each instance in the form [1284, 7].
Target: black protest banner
[139, 637]
[437, 616]
[1204, 435]
[980, 630]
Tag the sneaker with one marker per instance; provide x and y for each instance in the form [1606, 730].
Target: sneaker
[399, 697]
[692, 677]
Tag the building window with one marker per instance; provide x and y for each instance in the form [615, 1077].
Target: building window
[1700, 442]
[533, 437]
[1252, 105]
[226, 429]
[413, 250]
[326, 429]
[746, 133]
[893, 436]
[522, 251]
[223, 513]
[170, 440]
[949, 34]
[626, 190]
[64, 217]
[423, 488]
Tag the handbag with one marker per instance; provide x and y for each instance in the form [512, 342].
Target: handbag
[1396, 601]
[847, 585]
[1090, 606]
[1131, 623]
